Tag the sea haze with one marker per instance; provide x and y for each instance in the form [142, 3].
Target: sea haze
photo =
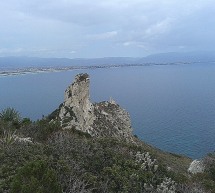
[172, 106]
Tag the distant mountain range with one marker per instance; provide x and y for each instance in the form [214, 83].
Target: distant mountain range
[180, 57]
[24, 62]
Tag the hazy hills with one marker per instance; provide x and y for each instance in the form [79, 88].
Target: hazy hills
[180, 57]
[24, 62]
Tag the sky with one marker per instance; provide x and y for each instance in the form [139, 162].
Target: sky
[105, 28]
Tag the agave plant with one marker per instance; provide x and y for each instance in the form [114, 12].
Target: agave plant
[10, 118]
[8, 137]
[10, 115]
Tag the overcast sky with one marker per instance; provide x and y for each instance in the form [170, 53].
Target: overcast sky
[103, 28]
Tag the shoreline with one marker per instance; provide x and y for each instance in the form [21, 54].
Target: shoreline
[36, 70]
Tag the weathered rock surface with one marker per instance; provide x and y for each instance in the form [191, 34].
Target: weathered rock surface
[196, 166]
[77, 111]
[99, 119]
[111, 120]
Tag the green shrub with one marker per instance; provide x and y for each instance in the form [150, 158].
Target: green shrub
[26, 121]
[45, 129]
[35, 177]
[40, 130]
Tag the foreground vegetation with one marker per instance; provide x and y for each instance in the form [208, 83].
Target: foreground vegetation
[39, 157]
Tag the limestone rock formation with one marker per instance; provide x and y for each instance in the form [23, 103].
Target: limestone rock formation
[196, 166]
[111, 120]
[99, 119]
[77, 111]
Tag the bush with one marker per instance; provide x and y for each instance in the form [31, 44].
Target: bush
[40, 130]
[35, 177]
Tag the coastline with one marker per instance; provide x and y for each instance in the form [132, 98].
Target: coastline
[36, 70]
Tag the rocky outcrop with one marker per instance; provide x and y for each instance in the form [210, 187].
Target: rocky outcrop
[77, 111]
[196, 166]
[111, 120]
[104, 119]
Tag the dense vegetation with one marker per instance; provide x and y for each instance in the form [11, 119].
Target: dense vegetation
[39, 157]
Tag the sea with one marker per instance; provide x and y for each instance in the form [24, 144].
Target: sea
[172, 107]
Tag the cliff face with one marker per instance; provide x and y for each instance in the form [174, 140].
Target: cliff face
[77, 111]
[99, 119]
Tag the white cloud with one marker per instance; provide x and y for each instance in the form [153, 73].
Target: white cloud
[103, 36]
[13, 51]
[128, 43]
[72, 52]
[158, 28]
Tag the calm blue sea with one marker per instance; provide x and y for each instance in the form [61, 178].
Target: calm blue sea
[171, 106]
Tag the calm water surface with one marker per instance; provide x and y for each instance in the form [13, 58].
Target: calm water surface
[171, 107]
